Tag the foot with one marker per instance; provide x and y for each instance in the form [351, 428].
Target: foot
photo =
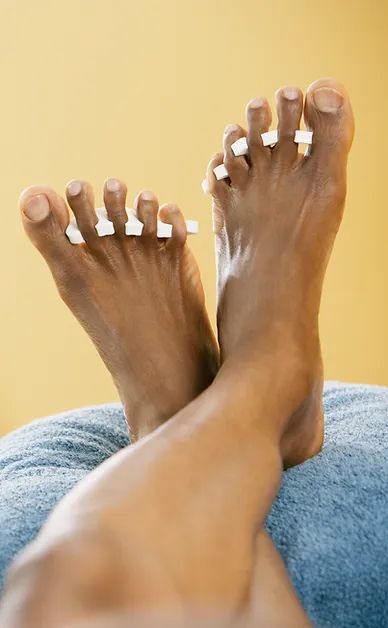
[276, 219]
[140, 299]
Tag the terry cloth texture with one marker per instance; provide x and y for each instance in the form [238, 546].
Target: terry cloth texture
[329, 522]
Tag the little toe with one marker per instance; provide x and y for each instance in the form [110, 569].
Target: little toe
[81, 200]
[146, 206]
[328, 113]
[172, 215]
[217, 188]
[115, 193]
[45, 218]
[289, 105]
[237, 167]
[259, 117]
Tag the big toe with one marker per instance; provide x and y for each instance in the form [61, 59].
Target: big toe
[45, 218]
[328, 113]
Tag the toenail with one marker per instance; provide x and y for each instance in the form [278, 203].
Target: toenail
[112, 185]
[231, 128]
[256, 103]
[172, 209]
[74, 188]
[37, 207]
[290, 93]
[327, 99]
[147, 196]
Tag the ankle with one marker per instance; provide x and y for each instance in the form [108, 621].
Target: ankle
[270, 388]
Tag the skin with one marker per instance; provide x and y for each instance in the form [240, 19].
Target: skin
[110, 283]
[172, 527]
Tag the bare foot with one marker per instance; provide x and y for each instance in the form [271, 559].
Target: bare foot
[276, 219]
[140, 299]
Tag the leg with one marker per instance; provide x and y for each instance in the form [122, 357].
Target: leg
[276, 208]
[269, 385]
[273, 602]
[181, 566]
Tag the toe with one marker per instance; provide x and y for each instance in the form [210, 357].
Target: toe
[81, 200]
[237, 167]
[146, 206]
[45, 218]
[289, 105]
[115, 193]
[329, 115]
[259, 118]
[216, 188]
[172, 215]
[220, 190]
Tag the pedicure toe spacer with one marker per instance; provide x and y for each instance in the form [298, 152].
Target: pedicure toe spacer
[192, 227]
[73, 233]
[163, 230]
[270, 138]
[133, 227]
[220, 172]
[104, 227]
[240, 147]
[205, 186]
[303, 137]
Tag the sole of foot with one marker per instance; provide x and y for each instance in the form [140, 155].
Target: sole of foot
[276, 218]
[140, 299]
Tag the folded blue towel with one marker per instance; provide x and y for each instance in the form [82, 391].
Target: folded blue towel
[330, 520]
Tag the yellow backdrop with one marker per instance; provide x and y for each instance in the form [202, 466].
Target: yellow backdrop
[142, 90]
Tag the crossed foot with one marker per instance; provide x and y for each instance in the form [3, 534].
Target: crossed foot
[141, 299]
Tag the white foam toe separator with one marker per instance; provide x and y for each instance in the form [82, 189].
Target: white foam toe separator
[73, 233]
[192, 227]
[303, 137]
[240, 147]
[270, 138]
[221, 172]
[163, 230]
[104, 227]
[205, 186]
[133, 227]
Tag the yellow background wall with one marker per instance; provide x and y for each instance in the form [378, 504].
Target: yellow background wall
[142, 90]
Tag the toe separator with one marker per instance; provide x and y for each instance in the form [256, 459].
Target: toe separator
[270, 138]
[73, 233]
[240, 147]
[133, 226]
[205, 186]
[303, 137]
[164, 230]
[104, 227]
[221, 172]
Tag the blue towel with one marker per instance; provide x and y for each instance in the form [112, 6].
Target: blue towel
[329, 522]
